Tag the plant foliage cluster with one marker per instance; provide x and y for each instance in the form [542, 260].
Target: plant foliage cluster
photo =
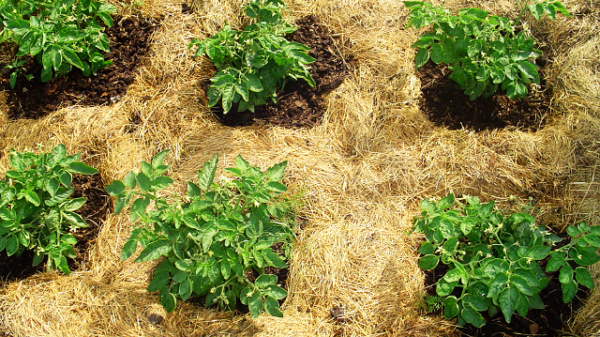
[494, 261]
[36, 211]
[483, 52]
[213, 241]
[58, 34]
[252, 64]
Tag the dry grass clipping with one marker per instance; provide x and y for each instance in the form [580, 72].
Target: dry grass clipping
[364, 171]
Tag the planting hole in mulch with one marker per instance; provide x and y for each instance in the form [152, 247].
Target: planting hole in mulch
[128, 45]
[94, 212]
[550, 322]
[298, 104]
[445, 104]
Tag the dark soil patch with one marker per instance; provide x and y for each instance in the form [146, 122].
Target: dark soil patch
[550, 322]
[128, 44]
[445, 104]
[94, 212]
[299, 105]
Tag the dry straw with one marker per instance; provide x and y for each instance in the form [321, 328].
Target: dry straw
[363, 172]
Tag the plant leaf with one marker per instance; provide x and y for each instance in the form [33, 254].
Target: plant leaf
[155, 250]
[206, 176]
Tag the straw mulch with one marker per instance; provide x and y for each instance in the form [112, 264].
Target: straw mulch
[363, 172]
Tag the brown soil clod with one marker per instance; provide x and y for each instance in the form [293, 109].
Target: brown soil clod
[129, 44]
[299, 105]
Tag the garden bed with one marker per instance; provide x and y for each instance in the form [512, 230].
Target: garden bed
[362, 157]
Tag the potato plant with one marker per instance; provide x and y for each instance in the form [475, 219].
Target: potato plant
[483, 52]
[58, 34]
[36, 211]
[215, 240]
[494, 261]
[252, 64]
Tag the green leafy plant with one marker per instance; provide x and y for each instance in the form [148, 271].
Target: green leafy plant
[252, 64]
[483, 52]
[59, 35]
[494, 260]
[216, 238]
[17, 68]
[35, 208]
[430, 303]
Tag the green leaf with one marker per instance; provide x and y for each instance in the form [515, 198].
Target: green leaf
[521, 284]
[451, 308]
[437, 53]
[81, 168]
[52, 186]
[566, 274]
[572, 231]
[276, 292]
[421, 58]
[537, 10]
[555, 262]
[206, 176]
[529, 70]
[115, 188]
[74, 204]
[584, 278]
[161, 183]
[167, 300]
[592, 239]
[276, 187]
[569, 290]
[185, 289]
[471, 316]
[31, 196]
[129, 248]
[272, 307]
[138, 208]
[426, 248]
[143, 181]
[275, 173]
[265, 281]
[254, 83]
[74, 219]
[497, 285]
[72, 58]
[561, 8]
[193, 190]
[445, 288]
[446, 202]
[429, 262]
[159, 158]
[538, 252]
[12, 245]
[274, 260]
[508, 299]
[155, 250]
[255, 305]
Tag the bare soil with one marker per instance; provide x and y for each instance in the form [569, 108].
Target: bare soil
[128, 46]
[445, 104]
